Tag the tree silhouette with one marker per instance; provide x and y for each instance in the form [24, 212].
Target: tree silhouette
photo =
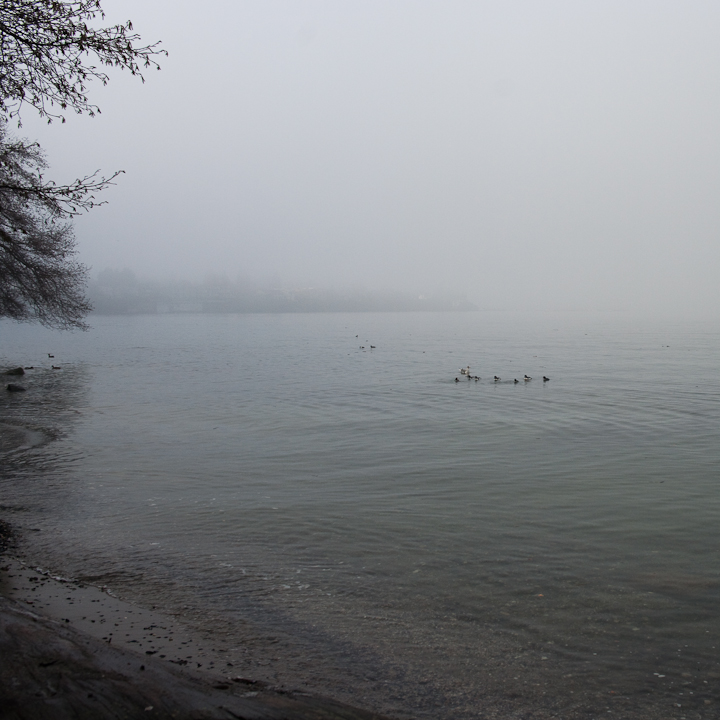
[46, 48]
[40, 279]
[46, 53]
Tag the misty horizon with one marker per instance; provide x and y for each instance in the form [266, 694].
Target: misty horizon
[122, 292]
[554, 157]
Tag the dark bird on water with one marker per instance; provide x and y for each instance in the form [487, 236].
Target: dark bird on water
[55, 367]
[545, 379]
[456, 380]
[516, 380]
[527, 377]
[496, 378]
[50, 356]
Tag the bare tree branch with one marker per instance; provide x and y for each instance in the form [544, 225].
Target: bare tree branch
[46, 51]
[39, 278]
[47, 48]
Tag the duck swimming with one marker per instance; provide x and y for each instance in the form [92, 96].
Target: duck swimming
[545, 379]
[527, 378]
[496, 378]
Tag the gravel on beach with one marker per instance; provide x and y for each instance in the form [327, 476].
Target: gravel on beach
[51, 668]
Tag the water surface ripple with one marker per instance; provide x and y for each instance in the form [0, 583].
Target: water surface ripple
[356, 520]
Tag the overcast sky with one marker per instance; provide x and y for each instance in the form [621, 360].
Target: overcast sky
[559, 155]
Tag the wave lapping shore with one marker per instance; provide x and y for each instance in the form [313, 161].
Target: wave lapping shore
[50, 670]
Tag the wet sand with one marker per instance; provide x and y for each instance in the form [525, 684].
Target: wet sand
[69, 650]
[96, 612]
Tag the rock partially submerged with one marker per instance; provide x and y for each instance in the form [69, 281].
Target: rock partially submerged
[15, 388]
[16, 371]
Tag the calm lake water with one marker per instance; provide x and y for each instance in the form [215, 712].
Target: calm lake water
[356, 520]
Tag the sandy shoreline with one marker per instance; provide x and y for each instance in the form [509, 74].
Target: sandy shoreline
[69, 649]
[72, 650]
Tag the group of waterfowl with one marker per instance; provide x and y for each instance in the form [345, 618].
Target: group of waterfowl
[466, 372]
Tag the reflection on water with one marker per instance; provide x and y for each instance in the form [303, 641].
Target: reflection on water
[356, 517]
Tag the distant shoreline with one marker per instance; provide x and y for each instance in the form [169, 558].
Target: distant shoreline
[110, 309]
[122, 293]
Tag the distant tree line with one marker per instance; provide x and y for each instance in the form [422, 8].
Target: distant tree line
[122, 293]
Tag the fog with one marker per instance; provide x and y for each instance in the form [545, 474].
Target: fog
[555, 155]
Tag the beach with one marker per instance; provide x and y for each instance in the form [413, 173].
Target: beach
[70, 650]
